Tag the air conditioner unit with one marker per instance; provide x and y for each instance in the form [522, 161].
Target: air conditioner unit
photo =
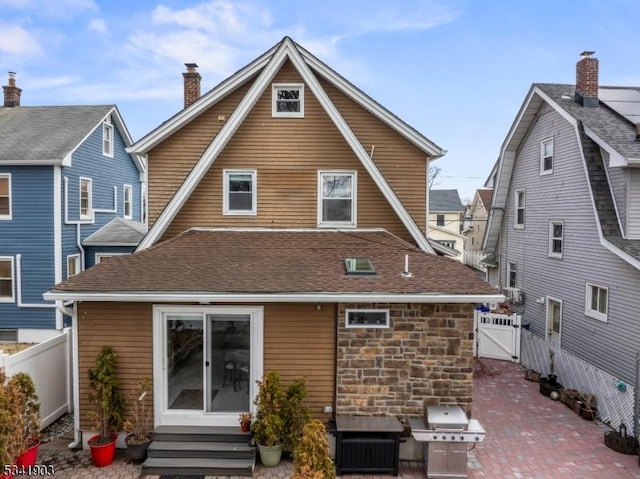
[514, 295]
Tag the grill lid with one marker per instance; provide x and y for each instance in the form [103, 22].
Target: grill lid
[446, 417]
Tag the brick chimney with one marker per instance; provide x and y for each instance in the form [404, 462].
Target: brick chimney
[11, 92]
[191, 84]
[587, 80]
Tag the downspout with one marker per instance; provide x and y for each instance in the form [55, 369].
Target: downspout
[77, 436]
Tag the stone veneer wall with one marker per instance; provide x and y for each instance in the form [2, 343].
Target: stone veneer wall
[425, 358]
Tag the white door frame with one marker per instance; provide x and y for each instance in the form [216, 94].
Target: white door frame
[554, 338]
[162, 415]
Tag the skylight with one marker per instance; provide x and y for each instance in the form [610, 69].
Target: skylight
[359, 266]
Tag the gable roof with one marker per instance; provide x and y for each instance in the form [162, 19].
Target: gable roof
[444, 201]
[485, 196]
[48, 135]
[595, 127]
[301, 266]
[263, 70]
[117, 232]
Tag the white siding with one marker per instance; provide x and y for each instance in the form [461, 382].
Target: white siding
[633, 219]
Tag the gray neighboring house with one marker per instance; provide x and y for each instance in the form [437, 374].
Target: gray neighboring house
[563, 236]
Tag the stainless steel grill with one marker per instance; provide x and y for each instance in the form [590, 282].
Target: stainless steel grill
[446, 433]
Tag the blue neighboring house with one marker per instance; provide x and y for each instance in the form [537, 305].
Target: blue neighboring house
[70, 195]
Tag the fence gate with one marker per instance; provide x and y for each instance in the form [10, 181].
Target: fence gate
[497, 336]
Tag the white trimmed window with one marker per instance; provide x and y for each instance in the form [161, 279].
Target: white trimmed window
[336, 198]
[6, 279]
[367, 318]
[127, 201]
[556, 238]
[518, 221]
[448, 243]
[596, 302]
[86, 193]
[546, 157]
[239, 192]
[288, 100]
[73, 265]
[100, 257]
[5, 196]
[107, 138]
[512, 274]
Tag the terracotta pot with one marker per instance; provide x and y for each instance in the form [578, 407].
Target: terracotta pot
[245, 427]
[103, 454]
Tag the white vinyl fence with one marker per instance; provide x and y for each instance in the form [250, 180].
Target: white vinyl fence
[49, 365]
[474, 259]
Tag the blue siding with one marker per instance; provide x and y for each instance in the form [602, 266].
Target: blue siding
[30, 234]
[105, 174]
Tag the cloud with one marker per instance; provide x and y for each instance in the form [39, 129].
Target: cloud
[15, 40]
[98, 25]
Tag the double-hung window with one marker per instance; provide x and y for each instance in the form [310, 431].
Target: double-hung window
[127, 201]
[5, 196]
[336, 198]
[86, 193]
[512, 274]
[518, 221]
[239, 192]
[439, 220]
[107, 138]
[596, 302]
[287, 100]
[6, 279]
[556, 238]
[546, 157]
[73, 265]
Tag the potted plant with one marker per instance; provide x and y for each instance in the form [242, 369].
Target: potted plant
[268, 427]
[108, 407]
[10, 432]
[139, 424]
[620, 442]
[245, 421]
[312, 458]
[27, 419]
[550, 384]
[295, 414]
[588, 406]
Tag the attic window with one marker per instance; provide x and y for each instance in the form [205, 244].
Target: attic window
[359, 266]
[288, 100]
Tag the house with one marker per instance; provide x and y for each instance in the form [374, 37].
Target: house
[288, 232]
[54, 194]
[476, 217]
[563, 238]
[445, 220]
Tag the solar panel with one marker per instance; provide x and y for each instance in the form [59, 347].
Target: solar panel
[624, 101]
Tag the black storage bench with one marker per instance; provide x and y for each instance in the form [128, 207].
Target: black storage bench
[367, 444]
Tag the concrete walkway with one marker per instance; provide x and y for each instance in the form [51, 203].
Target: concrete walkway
[529, 436]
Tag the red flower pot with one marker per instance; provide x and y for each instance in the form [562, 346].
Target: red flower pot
[29, 457]
[103, 453]
[245, 426]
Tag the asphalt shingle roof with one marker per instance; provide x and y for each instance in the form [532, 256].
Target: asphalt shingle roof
[444, 200]
[45, 133]
[276, 261]
[117, 232]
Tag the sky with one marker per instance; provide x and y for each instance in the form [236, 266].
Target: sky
[455, 70]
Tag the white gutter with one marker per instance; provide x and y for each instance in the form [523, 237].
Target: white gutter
[165, 297]
[19, 289]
